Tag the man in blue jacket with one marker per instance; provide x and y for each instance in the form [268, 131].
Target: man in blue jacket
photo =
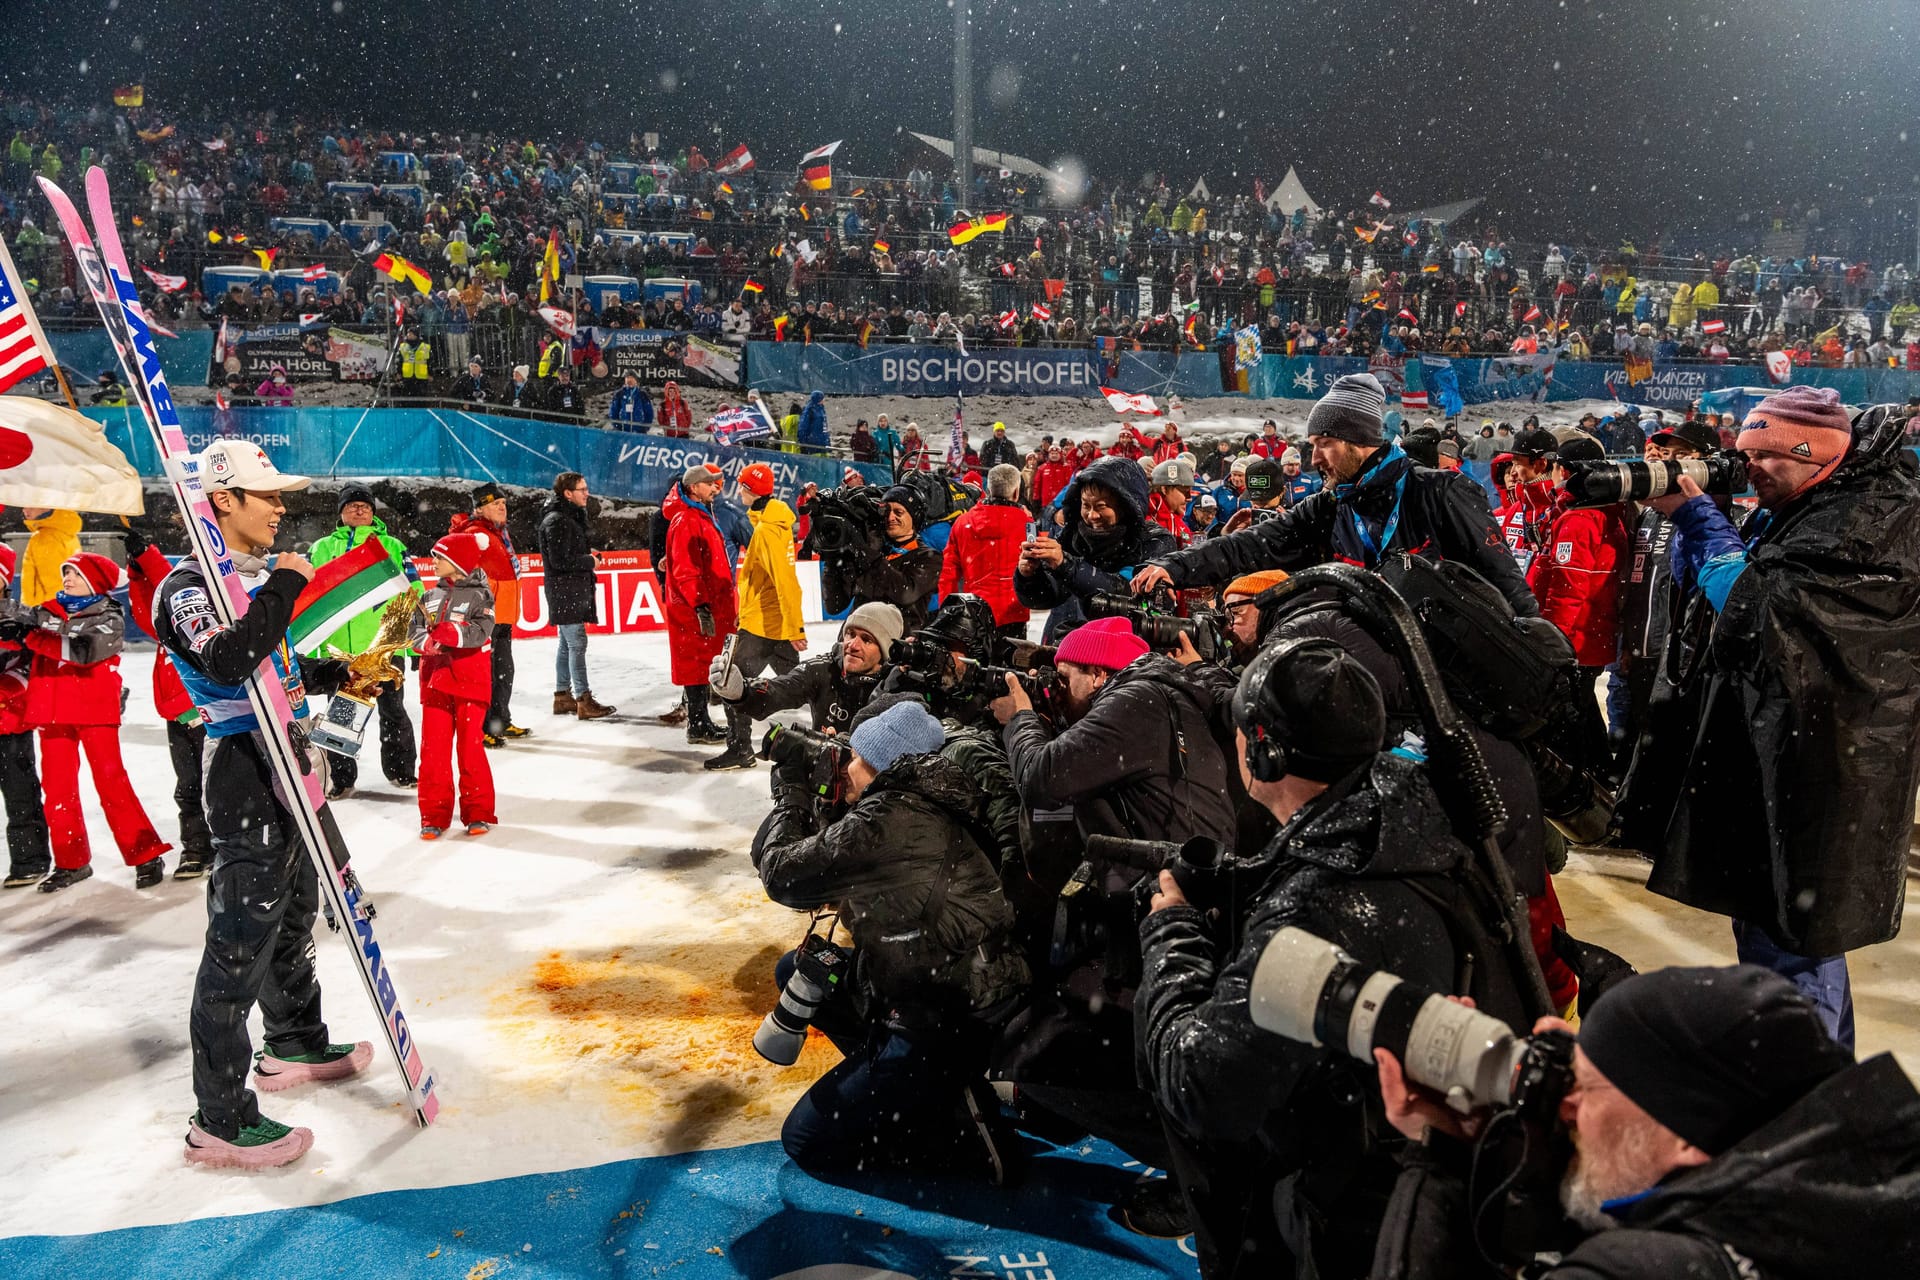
[632, 407]
[813, 425]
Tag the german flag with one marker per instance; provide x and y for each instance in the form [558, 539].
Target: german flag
[881, 246]
[780, 328]
[398, 268]
[970, 229]
[130, 95]
[266, 257]
[806, 214]
[549, 266]
[866, 331]
[753, 286]
[817, 166]
[726, 188]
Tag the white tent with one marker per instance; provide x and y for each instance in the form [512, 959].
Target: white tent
[1290, 195]
[1200, 191]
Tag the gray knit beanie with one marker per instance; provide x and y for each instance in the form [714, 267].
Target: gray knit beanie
[1354, 409]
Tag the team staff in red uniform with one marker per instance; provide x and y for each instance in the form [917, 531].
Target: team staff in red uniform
[1576, 577]
[1528, 482]
[453, 633]
[984, 550]
[73, 699]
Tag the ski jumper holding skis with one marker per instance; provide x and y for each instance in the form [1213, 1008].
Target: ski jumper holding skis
[452, 633]
[262, 895]
[73, 699]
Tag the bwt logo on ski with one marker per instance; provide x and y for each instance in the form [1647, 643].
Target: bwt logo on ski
[382, 980]
[1074, 371]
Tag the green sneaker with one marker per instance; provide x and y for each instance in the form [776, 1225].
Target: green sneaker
[273, 1072]
[264, 1144]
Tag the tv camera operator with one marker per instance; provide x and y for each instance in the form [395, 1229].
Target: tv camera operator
[1776, 784]
[907, 864]
[1703, 1125]
[1376, 501]
[870, 550]
[1280, 1148]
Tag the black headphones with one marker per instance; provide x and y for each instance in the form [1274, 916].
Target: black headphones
[1260, 710]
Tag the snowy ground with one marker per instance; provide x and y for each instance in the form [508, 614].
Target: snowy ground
[586, 979]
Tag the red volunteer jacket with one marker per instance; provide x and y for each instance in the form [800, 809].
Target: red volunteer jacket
[144, 576]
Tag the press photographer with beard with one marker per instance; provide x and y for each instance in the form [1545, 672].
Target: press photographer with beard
[1776, 785]
[833, 686]
[908, 867]
[1280, 1148]
[1719, 1133]
[1108, 531]
[1376, 501]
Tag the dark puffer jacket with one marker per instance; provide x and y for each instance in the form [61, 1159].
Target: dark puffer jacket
[919, 825]
[1093, 563]
[566, 558]
[1285, 1126]
[1142, 762]
[1442, 515]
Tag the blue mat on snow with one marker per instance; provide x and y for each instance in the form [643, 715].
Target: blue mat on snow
[743, 1211]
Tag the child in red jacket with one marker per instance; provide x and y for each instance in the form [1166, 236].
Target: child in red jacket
[28, 858]
[453, 633]
[73, 699]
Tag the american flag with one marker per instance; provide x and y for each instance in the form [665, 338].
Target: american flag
[21, 355]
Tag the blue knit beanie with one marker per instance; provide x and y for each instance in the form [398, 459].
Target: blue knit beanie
[906, 729]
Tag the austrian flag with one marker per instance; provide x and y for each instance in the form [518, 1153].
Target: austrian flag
[1713, 326]
[1008, 319]
[1121, 402]
[318, 271]
[738, 160]
[165, 284]
[1040, 312]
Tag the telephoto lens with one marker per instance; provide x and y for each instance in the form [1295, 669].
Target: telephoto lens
[819, 968]
[1309, 990]
[1596, 484]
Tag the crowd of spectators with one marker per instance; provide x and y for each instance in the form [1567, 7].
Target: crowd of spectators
[871, 260]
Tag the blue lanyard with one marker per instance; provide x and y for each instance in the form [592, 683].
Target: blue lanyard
[1392, 525]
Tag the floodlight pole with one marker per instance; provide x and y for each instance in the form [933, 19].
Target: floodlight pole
[963, 101]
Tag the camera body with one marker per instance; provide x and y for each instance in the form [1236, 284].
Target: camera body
[812, 760]
[959, 687]
[820, 968]
[1156, 623]
[844, 520]
[1600, 483]
[1199, 866]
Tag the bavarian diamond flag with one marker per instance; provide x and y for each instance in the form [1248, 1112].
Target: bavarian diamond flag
[343, 589]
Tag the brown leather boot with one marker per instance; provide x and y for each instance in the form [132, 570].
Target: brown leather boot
[588, 709]
[563, 703]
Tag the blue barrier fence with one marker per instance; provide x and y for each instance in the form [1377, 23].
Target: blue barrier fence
[843, 369]
[455, 444]
[88, 351]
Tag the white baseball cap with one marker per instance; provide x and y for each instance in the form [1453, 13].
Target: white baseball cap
[242, 464]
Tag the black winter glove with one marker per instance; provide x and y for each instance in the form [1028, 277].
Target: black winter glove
[704, 615]
[136, 544]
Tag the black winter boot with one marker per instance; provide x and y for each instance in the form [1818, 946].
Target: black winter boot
[701, 730]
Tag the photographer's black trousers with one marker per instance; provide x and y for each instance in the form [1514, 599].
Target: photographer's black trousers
[187, 747]
[398, 751]
[500, 710]
[27, 847]
[753, 654]
[896, 1100]
[262, 898]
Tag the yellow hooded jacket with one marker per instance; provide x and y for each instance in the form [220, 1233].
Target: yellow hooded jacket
[55, 540]
[769, 588]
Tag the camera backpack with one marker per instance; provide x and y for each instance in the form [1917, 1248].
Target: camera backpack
[1502, 670]
[941, 498]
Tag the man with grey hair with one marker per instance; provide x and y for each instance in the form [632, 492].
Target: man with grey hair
[984, 549]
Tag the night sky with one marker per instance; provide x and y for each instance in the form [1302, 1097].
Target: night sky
[1601, 115]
